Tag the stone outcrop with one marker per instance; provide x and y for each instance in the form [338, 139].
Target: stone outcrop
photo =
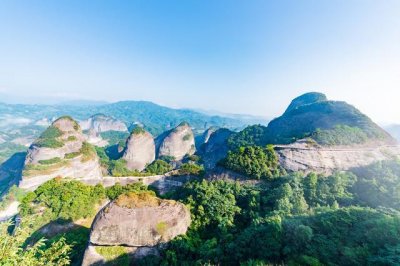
[216, 147]
[60, 151]
[140, 149]
[93, 137]
[102, 123]
[307, 156]
[207, 134]
[138, 221]
[177, 142]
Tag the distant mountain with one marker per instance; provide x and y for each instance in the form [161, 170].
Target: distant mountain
[394, 130]
[312, 115]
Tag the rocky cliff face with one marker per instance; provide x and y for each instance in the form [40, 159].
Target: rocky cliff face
[177, 142]
[216, 147]
[60, 151]
[139, 221]
[307, 156]
[102, 123]
[140, 149]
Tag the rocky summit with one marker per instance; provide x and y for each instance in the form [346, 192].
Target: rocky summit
[102, 123]
[177, 143]
[140, 221]
[140, 149]
[62, 151]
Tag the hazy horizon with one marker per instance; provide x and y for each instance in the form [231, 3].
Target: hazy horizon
[229, 56]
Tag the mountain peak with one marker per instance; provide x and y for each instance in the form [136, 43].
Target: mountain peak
[307, 98]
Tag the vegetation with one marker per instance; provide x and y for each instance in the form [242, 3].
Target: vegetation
[340, 135]
[158, 167]
[114, 137]
[138, 199]
[41, 253]
[138, 130]
[116, 255]
[63, 199]
[51, 161]
[291, 220]
[49, 138]
[14, 194]
[116, 190]
[191, 169]
[118, 168]
[255, 162]
[187, 137]
[88, 152]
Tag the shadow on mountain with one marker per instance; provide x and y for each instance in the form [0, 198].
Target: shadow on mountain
[11, 171]
[74, 234]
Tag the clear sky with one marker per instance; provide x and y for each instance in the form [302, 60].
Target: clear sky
[232, 56]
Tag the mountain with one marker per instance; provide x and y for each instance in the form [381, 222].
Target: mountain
[60, 151]
[312, 115]
[394, 130]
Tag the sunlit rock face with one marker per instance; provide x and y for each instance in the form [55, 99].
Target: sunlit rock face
[140, 150]
[177, 143]
[139, 222]
[61, 151]
[102, 123]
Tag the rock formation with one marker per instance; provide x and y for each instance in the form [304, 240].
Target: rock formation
[140, 149]
[139, 221]
[216, 147]
[94, 138]
[60, 151]
[207, 134]
[307, 156]
[177, 142]
[102, 123]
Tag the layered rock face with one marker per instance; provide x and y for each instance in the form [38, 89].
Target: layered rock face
[139, 221]
[207, 134]
[140, 149]
[177, 142]
[309, 157]
[102, 123]
[60, 151]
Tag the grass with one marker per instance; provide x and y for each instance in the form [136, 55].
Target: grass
[118, 255]
[88, 152]
[48, 139]
[39, 169]
[161, 228]
[50, 161]
[71, 138]
[138, 200]
[138, 130]
[187, 137]
[72, 155]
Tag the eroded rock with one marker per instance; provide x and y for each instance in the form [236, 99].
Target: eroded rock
[140, 149]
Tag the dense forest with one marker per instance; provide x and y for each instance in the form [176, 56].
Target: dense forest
[347, 218]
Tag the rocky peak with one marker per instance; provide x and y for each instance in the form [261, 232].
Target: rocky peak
[177, 142]
[61, 150]
[102, 123]
[307, 98]
[139, 150]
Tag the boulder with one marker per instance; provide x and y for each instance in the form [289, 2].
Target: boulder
[177, 143]
[138, 222]
[140, 149]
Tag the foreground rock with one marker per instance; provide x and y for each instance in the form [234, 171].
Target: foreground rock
[140, 149]
[102, 123]
[307, 156]
[177, 143]
[139, 221]
[60, 151]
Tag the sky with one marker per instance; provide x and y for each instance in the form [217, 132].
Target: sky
[232, 56]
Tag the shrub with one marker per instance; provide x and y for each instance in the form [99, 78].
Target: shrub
[158, 167]
[49, 137]
[51, 161]
[191, 169]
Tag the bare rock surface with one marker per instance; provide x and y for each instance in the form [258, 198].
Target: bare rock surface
[140, 150]
[216, 147]
[138, 221]
[102, 123]
[60, 151]
[177, 142]
[309, 157]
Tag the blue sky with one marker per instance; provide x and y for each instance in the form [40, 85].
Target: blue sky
[232, 56]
